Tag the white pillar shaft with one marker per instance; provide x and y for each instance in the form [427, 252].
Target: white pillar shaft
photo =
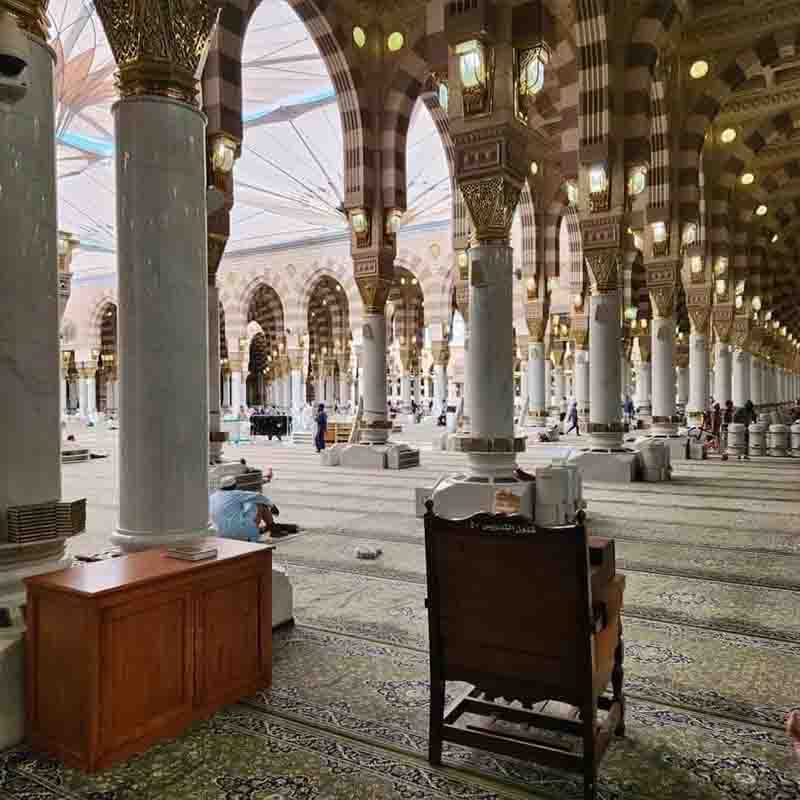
[237, 400]
[491, 343]
[405, 390]
[683, 385]
[214, 410]
[698, 376]
[644, 387]
[91, 394]
[374, 380]
[30, 457]
[83, 396]
[548, 384]
[536, 381]
[625, 375]
[663, 359]
[759, 382]
[297, 389]
[559, 388]
[467, 386]
[723, 374]
[440, 388]
[163, 321]
[741, 378]
[582, 387]
[604, 375]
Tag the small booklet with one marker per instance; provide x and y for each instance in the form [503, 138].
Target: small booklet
[192, 552]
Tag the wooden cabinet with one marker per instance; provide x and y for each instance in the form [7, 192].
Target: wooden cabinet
[124, 652]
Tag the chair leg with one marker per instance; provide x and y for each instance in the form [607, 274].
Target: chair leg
[435, 723]
[617, 678]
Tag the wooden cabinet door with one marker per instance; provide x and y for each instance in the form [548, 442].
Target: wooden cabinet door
[147, 668]
[229, 639]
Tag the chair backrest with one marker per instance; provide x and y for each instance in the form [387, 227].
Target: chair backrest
[509, 605]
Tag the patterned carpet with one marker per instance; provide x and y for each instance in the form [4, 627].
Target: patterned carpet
[712, 623]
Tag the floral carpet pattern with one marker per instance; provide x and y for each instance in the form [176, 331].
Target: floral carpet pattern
[712, 639]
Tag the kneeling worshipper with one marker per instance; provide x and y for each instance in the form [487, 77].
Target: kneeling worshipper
[237, 514]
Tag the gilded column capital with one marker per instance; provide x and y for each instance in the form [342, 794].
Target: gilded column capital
[740, 332]
[159, 45]
[31, 15]
[492, 201]
[645, 347]
[579, 330]
[441, 353]
[662, 281]
[603, 266]
[722, 320]
[374, 272]
[522, 345]
[682, 356]
[536, 312]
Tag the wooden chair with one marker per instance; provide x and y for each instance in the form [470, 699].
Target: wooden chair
[510, 613]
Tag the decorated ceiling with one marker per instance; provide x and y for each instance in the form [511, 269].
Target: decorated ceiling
[289, 181]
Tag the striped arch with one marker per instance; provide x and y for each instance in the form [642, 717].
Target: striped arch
[429, 279]
[653, 31]
[342, 273]
[750, 62]
[443, 297]
[237, 307]
[527, 216]
[222, 84]
[461, 221]
[547, 232]
[266, 310]
[577, 277]
[94, 320]
[328, 318]
[594, 94]
[398, 105]
[659, 179]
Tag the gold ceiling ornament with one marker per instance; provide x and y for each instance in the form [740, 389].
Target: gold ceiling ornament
[491, 202]
[31, 15]
[603, 266]
[160, 46]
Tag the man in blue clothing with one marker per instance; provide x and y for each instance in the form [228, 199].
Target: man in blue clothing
[236, 514]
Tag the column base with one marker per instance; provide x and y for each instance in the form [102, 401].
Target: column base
[131, 542]
[462, 495]
[610, 466]
[388, 455]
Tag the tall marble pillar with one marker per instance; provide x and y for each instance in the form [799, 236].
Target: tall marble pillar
[91, 392]
[83, 393]
[548, 386]
[238, 400]
[741, 377]
[162, 269]
[759, 380]
[536, 382]
[683, 385]
[723, 374]
[405, 391]
[559, 389]
[441, 356]
[214, 410]
[605, 424]
[662, 344]
[644, 389]
[30, 421]
[698, 376]
[582, 384]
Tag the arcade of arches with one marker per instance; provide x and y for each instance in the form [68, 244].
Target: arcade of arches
[454, 223]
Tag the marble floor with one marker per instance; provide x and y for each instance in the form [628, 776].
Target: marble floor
[712, 623]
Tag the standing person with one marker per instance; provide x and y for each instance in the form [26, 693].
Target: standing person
[321, 418]
[572, 418]
[728, 418]
[627, 410]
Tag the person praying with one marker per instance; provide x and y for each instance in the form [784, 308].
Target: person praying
[237, 514]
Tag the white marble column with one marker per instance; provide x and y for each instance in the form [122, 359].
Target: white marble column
[405, 391]
[683, 385]
[91, 392]
[644, 388]
[548, 385]
[214, 411]
[162, 255]
[605, 425]
[626, 378]
[467, 386]
[439, 389]
[329, 390]
[376, 429]
[759, 381]
[30, 422]
[723, 374]
[698, 378]
[226, 391]
[536, 382]
[344, 387]
[741, 377]
[582, 387]
[83, 394]
[662, 344]
[298, 398]
[237, 398]
[559, 389]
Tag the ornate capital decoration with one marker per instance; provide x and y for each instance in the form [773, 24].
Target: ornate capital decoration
[662, 279]
[579, 330]
[557, 356]
[722, 320]
[31, 15]
[462, 297]
[441, 353]
[536, 312]
[645, 348]
[699, 317]
[374, 272]
[740, 332]
[159, 45]
[603, 266]
[491, 202]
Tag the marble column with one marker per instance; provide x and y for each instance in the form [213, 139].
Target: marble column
[344, 387]
[723, 374]
[405, 391]
[83, 394]
[163, 298]
[698, 377]
[605, 424]
[214, 411]
[663, 360]
[91, 392]
[644, 389]
[376, 429]
[683, 385]
[226, 390]
[536, 382]
[626, 377]
[582, 384]
[548, 386]
[759, 371]
[559, 389]
[30, 421]
[741, 377]
[237, 383]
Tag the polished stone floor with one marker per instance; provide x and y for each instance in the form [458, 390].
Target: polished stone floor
[712, 624]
